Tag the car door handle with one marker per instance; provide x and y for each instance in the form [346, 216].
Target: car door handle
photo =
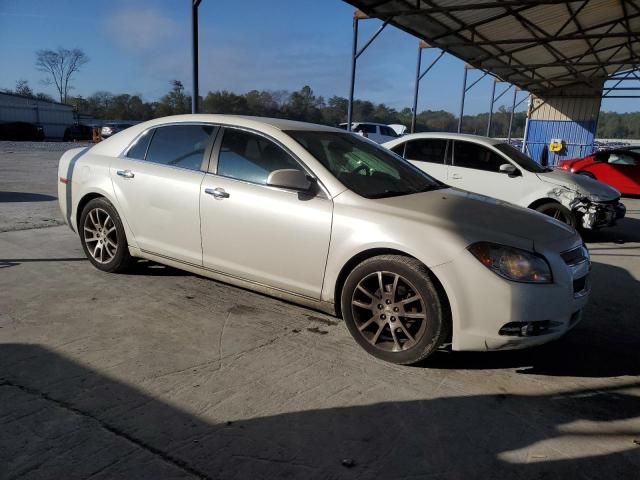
[456, 176]
[125, 173]
[216, 192]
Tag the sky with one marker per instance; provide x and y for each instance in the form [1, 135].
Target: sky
[138, 46]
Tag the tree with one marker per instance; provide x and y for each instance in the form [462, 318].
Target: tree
[23, 88]
[60, 65]
[175, 102]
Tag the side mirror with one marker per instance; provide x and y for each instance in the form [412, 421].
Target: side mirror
[509, 170]
[290, 178]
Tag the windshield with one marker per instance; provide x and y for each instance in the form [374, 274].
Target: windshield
[364, 167]
[521, 159]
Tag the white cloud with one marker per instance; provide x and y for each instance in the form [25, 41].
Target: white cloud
[139, 29]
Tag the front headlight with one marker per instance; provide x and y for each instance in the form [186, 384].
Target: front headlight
[106, 130]
[512, 263]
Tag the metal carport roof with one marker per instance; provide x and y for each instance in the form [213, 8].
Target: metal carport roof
[559, 47]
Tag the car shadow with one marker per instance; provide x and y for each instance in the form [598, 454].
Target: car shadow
[592, 349]
[8, 197]
[62, 419]
[626, 230]
[147, 267]
[13, 262]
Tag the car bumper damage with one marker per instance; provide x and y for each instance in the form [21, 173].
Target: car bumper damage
[591, 214]
[597, 214]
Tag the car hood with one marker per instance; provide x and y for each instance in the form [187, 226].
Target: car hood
[480, 218]
[581, 184]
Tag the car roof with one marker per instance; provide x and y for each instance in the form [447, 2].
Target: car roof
[244, 121]
[366, 123]
[452, 136]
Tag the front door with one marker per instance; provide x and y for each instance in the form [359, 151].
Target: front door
[476, 168]
[272, 236]
[157, 185]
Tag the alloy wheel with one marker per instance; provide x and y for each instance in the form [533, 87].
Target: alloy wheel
[100, 235]
[388, 311]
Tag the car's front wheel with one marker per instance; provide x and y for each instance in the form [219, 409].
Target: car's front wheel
[103, 237]
[558, 211]
[393, 309]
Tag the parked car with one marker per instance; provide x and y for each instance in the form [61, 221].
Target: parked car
[494, 168]
[21, 131]
[112, 128]
[77, 132]
[619, 168]
[378, 132]
[330, 220]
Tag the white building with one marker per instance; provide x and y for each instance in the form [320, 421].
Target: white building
[54, 117]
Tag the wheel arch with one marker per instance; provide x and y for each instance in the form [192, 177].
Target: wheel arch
[95, 193]
[374, 252]
[541, 201]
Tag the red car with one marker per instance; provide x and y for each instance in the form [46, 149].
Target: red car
[619, 168]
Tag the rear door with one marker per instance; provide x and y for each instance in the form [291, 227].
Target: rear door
[476, 168]
[428, 154]
[157, 184]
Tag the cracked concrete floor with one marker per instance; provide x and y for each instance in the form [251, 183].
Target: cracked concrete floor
[162, 374]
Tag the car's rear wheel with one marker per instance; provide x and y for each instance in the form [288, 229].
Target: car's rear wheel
[393, 309]
[558, 211]
[103, 237]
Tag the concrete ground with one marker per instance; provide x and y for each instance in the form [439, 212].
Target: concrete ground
[162, 374]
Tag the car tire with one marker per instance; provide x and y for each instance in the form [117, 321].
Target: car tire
[103, 238]
[558, 211]
[403, 322]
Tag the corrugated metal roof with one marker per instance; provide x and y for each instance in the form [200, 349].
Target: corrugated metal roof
[544, 46]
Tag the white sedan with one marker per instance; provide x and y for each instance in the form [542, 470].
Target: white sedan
[330, 220]
[492, 167]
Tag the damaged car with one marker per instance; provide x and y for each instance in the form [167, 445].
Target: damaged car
[494, 168]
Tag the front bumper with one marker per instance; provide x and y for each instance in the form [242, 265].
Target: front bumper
[491, 313]
[599, 214]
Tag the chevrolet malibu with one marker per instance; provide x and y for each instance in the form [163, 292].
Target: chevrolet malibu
[332, 221]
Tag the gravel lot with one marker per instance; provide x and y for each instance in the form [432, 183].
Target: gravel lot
[162, 374]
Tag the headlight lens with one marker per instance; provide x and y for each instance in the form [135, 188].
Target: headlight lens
[512, 263]
[106, 130]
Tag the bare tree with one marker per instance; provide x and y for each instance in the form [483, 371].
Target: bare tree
[60, 65]
[23, 88]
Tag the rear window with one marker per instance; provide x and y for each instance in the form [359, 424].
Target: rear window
[179, 145]
[139, 149]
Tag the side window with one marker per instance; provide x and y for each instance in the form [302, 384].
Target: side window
[366, 128]
[250, 157]
[620, 158]
[399, 149]
[388, 131]
[139, 149]
[472, 155]
[179, 145]
[432, 151]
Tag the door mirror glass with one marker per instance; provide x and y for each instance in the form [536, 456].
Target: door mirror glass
[509, 170]
[290, 178]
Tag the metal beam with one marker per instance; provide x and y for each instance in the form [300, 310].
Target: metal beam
[194, 55]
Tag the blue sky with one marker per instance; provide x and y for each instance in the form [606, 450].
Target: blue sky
[138, 46]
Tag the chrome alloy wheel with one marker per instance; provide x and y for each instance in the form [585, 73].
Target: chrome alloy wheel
[388, 311]
[100, 235]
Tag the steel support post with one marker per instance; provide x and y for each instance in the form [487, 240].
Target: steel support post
[352, 82]
[493, 96]
[194, 54]
[513, 107]
[464, 92]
